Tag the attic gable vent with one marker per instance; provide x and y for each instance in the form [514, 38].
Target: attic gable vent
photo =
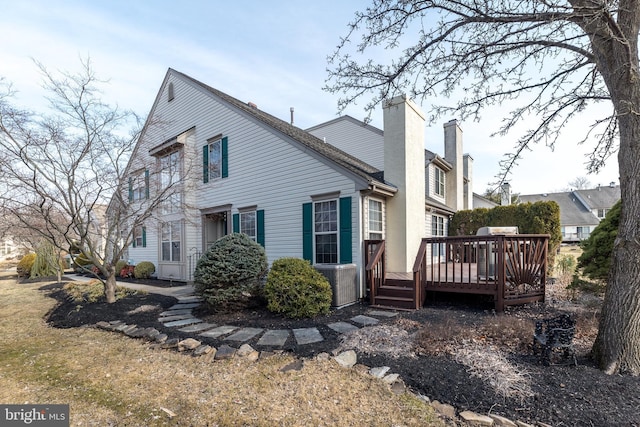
[170, 93]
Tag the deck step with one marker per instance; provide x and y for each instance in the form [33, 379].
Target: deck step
[400, 283]
[395, 291]
[393, 301]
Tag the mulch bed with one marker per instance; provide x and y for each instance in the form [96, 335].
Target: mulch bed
[565, 395]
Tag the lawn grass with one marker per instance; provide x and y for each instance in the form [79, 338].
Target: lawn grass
[109, 379]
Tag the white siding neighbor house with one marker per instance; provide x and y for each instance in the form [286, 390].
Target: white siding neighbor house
[316, 194]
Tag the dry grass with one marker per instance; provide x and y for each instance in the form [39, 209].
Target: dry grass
[510, 333]
[490, 365]
[108, 379]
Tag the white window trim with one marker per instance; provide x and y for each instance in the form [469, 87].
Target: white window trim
[320, 200]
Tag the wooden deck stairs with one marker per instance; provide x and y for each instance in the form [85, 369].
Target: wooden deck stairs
[395, 293]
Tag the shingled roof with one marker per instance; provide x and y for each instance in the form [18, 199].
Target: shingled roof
[371, 174]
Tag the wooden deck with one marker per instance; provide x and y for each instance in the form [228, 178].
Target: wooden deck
[512, 268]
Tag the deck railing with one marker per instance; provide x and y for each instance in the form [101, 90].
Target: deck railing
[510, 267]
[374, 266]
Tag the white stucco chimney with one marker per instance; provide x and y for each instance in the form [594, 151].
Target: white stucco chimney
[505, 194]
[453, 154]
[404, 168]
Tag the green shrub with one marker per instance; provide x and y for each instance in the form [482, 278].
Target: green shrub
[595, 260]
[230, 274]
[92, 291]
[119, 266]
[144, 270]
[295, 289]
[25, 265]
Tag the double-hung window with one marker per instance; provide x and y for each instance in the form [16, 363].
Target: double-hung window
[171, 241]
[437, 229]
[139, 237]
[439, 181]
[375, 219]
[248, 224]
[139, 186]
[326, 231]
[215, 159]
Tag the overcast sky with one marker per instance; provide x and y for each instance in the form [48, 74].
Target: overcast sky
[270, 53]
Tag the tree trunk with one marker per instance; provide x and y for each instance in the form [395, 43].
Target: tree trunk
[110, 287]
[617, 346]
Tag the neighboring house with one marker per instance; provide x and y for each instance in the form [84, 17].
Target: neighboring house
[580, 210]
[8, 249]
[316, 194]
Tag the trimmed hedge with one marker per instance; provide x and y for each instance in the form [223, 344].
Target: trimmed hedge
[531, 218]
[296, 290]
[144, 270]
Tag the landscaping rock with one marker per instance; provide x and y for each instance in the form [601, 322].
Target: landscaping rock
[172, 343]
[347, 358]
[476, 419]
[161, 338]
[444, 409]
[391, 378]
[247, 352]
[502, 421]
[188, 344]
[379, 372]
[225, 352]
[323, 357]
[202, 349]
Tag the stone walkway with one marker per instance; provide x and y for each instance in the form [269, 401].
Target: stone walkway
[180, 316]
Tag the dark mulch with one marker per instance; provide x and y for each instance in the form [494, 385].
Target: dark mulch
[564, 395]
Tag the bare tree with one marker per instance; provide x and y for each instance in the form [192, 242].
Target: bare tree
[553, 59]
[62, 171]
[580, 183]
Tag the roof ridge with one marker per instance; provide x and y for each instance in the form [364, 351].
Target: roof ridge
[325, 149]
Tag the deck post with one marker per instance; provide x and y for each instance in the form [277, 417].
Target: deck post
[500, 267]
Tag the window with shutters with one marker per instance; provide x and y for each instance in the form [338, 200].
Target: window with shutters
[326, 231]
[139, 237]
[248, 224]
[214, 156]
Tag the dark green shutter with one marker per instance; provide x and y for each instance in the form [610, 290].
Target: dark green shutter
[260, 227]
[307, 232]
[225, 157]
[236, 223]
[205, 164]
[144, 237]
[146, 183]
[130, 189]
[345, 231]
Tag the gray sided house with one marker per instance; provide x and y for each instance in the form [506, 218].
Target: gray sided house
[580, 210]
[316, 194]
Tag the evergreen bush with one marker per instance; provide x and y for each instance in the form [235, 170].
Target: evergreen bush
[595, 260]
[231, 273]
[144, 270]
[25, 265]
[296, 290]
